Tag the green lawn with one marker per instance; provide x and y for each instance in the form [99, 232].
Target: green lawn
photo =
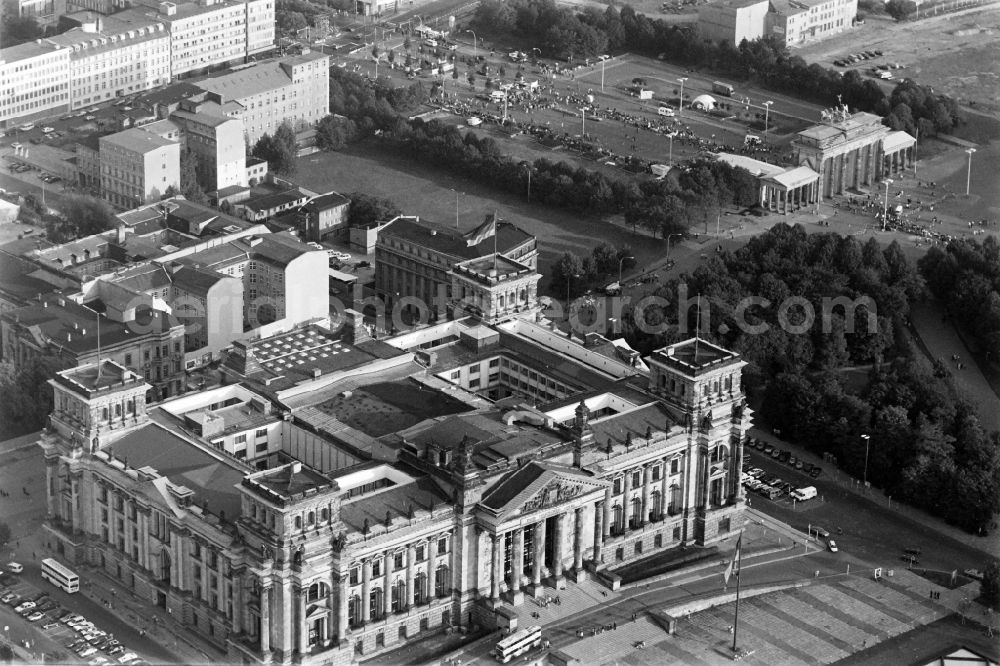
[432, 194]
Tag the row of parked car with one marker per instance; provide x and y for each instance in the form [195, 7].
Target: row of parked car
[39, 609]
[786, 457]
[858, 57]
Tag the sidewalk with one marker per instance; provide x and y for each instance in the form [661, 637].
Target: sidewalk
[989, 545]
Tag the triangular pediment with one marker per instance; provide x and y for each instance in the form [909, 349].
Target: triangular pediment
[538, 486]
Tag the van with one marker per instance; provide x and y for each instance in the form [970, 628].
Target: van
[431, 43]
[803, 494]
[665, 111]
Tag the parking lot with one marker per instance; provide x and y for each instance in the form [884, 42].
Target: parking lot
[72, 632]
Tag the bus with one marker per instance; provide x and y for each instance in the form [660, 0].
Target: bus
[721, 88]
[518, 643]
[60, 576]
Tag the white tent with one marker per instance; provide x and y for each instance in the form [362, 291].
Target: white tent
[8, 211]
[703, 103]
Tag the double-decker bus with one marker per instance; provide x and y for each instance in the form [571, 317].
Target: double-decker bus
[60, 576]
[518, 643]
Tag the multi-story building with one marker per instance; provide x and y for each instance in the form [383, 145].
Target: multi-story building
[800, 21]
[275, 524]
[296, 89]
[792, 21]
[203, 34]
[732, 20]
[34, 82]
[414, 258]
[217, 143]
[137, 167]
[45, 12]
[325, 215]
[110, 58]
[55, 326]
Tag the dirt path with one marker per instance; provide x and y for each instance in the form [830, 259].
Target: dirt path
[943, 341]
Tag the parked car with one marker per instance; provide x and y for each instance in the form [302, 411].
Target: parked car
[82, 653]
[10, 598]
[783, 456]
[35, 617]
[24, 605]
[832, 545]
[14, 567]
[769, 449]
[799, 464]
[815, 472]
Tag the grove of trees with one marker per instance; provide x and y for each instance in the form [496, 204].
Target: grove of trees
[82, 215]
[278, 150]
[927, 447]
[965, 277]
[25, 395]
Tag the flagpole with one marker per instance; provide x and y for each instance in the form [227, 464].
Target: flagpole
[697, 329]
[496, 232]
[739, 566]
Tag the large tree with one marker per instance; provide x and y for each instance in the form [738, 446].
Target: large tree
[25, 395]
[366, 210]
[333, 132]
[82, 215]
[277, 150]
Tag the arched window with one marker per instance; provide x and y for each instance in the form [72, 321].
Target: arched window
[354, 610]
[298, 522]
[375, 604]
[165, 566]
[675, 500]
[118, 409]
[442, 585]
[655, 505]
[317, 591]
[324, 515]
[312, 518]
[420, 588]
[105, 414]
[617, 517]
[399, 596]
[636, 514]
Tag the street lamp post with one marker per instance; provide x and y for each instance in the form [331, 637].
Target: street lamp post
[767, 110]
[867, 439]
[680, 102]
[669, 236]
[569, 279]
[527, 168]
[620, 262]
[602, 74]
[474, 50]
[583, 126]
[671, 137]
[885, 206]
[968, 174]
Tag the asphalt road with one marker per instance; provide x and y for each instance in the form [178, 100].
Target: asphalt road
[871, 532]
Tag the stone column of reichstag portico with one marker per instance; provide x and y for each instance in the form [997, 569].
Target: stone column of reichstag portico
[431, 591]
[606, 522]
[664, 501]
[626, 499]
[386, 585]
[536, 589]
[342, 611]
[265, 619]
[286, 641]
[497, 567]
[598, 532]
[410, 576]
[579, 575]
[366, 591]
[516, 568]
[303, 632]
[647, 472]
[558, 581]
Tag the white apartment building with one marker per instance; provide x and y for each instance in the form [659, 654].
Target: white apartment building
[137, 167]
[800, 21]
[296, 88]
[209, 33]
[34, 82]
[111, 58]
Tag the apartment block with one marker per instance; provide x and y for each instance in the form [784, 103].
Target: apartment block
[34, 82]
[111, 58]
[209, 33]
[296, 88]
[137, 167]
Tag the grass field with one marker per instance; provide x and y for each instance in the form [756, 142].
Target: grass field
[433, 195]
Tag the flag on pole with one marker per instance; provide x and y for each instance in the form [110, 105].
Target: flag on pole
[482, 232]
[732, 563]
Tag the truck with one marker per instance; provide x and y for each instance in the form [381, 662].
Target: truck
[723, 88]
[803, 494]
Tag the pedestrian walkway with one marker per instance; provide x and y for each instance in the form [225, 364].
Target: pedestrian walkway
[821, 623]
